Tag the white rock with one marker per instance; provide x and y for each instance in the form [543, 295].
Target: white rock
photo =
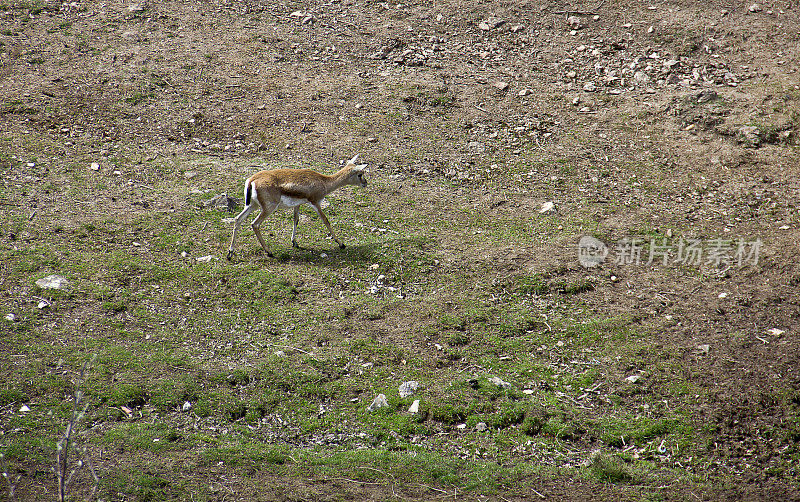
[53, 282]
[704, 348]
[24, 408]
[500, 382]
[589, 87]
[378, 402]
[10, 317]
[547, 207]
[499, 84]
[633, 378]
[414, 408]
[408, 388]
[205, 259]
[94, 166]
[280, 353]
[723, 295]
[490, 23]
[755, 8]
[480, 426]
[575, 22]
[186, 406]
[776, 332]
[461, 426]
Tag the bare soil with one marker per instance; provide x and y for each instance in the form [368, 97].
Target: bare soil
[630, 119]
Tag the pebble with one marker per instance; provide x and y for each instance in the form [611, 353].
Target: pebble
[704, 348]
[408, 388]
[480, 426]
[53, 282]
[500, 85]
[10, 317]
[547, 207]
[589, 87]
[575, 22]
[755, 8]
[186, 406]
[24, 409]
[500, 382]
[205, 259]
[490, 23]
[414, 408]
[633, 378]
[378, 402]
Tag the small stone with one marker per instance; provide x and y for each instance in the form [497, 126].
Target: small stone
[94, 166]
[575, 22]
[10, 317]
[490, 23]
[589, 87]
[755, 8]
[378, 402]
[280, 353]
[706, 96]
[414, 408]
[461, 426]
[641, 77]
[500, 85]
[190, 174]
[547, 207]
[500, 383]
[633, 378]
[480, 426]
[24, 408]
[408, 388]
[703, 348]
[222, 201]
[723, 295]
[53, 282]
[186, 406]
[776, 332]
[205, 259]
[572, 74]
[517, 28]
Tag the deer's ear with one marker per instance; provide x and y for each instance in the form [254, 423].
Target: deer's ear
[360, 167]
[354, 159]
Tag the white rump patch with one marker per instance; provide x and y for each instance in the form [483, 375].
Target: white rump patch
[287, 201]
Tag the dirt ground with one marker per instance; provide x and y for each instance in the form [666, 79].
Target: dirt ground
[635, 117]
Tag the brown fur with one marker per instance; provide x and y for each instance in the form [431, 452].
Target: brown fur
[301, 185]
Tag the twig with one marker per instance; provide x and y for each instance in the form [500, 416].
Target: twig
[63, 445]
[481, 109]
[432, 488]
[537, 493]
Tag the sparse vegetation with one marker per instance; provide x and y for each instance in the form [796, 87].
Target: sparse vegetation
[538, 377]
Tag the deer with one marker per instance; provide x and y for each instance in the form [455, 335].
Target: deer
[291, 188]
